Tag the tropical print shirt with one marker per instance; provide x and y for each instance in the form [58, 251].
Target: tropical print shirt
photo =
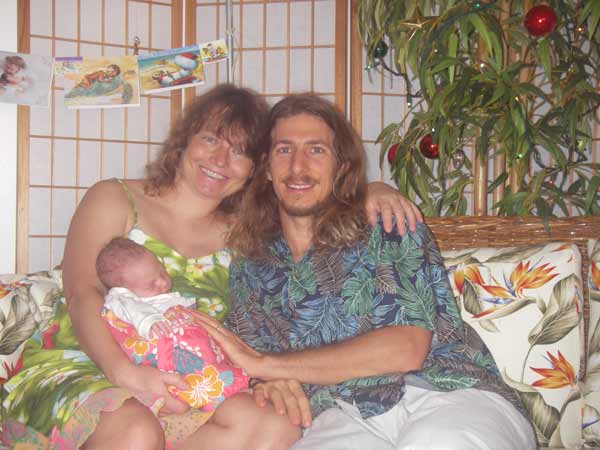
[279, 305]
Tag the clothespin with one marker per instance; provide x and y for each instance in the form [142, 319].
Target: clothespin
[136, 45]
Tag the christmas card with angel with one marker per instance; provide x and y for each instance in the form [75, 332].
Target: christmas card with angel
[25, 79]
[213, 51]
[171, 69]
[100, 82]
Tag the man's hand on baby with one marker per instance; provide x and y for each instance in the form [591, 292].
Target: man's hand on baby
[160, 329]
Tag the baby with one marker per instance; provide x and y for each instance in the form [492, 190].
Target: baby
[13, 78]
[151, 325]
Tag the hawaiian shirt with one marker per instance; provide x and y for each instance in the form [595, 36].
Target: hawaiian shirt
[279, 305]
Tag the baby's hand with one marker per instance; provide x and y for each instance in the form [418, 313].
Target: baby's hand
[160, 329]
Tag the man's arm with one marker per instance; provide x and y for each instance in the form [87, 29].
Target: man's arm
[393, 349]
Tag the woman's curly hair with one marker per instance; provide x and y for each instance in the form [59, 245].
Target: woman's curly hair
[233, 113]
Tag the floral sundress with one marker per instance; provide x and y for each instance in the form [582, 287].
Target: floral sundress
[54, 401]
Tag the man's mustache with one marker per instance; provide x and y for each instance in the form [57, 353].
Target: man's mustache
[299, 180]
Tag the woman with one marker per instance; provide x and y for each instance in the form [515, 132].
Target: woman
[182, 212]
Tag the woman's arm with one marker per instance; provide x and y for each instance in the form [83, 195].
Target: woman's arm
[386, 201]
[103, 214]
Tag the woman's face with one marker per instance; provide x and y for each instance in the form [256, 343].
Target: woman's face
[214, 167]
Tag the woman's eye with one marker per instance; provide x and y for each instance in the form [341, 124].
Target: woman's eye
[282, 149]
[209, 139]
[317, 150]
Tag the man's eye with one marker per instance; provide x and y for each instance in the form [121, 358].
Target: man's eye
[282, 149]
[318, 150]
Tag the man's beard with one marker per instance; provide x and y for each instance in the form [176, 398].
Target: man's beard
[313, 210]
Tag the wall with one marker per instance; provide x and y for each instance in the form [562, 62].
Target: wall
[8, 151]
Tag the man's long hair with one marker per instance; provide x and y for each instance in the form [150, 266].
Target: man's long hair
[232, 113]
[342, 222]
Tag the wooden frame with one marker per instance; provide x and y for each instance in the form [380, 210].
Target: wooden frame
[23, 115]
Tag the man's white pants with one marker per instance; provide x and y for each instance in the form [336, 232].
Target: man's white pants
[466, 419]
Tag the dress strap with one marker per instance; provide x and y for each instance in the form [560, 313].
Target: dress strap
[130, 200]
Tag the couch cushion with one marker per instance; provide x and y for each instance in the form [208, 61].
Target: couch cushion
[591, 415]
[526, 303]
[26, 304]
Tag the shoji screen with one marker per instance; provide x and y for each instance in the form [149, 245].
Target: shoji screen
[62, 152]
[281, 46]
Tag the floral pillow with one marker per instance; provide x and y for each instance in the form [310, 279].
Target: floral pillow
[526, 303]
[26, 303]
[591, 414]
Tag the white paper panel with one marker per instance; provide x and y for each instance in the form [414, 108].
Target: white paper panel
[277, 24]
[324, 70]
[300, 61]
[89, 162]
[371, 117]
[275, 63]
[161, 26]
[64, 162]
[113, 164]
[139, 23]
[160, 111]
[252, 33]
[114, 21]
[91, 20]
[39, 211]
[300, 25]
[39, 161]
[66, 21]
[136, 160]
[63, 207]
[325, 22]
[39, 254]
[41, 17]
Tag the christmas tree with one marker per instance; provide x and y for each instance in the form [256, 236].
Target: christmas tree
[512, 82]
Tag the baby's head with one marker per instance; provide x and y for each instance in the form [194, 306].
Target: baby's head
[13, 64]
[124, 263]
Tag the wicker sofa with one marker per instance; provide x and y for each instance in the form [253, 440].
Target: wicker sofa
[455, 234]
[531, 251]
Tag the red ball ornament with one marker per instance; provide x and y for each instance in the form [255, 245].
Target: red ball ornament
[428, 148]
[392, 153]
[540, 20]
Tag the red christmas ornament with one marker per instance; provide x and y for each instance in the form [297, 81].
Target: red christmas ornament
[428, 148]
[540, 20]
[392, 152]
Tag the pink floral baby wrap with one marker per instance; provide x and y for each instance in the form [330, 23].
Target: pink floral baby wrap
[190, 351]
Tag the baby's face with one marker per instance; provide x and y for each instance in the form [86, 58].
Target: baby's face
[146, 277]
[12, 69]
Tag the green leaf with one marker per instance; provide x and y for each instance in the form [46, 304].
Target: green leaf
[544, 52]
[592, 192]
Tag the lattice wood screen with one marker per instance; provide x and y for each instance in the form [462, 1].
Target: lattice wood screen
[62, 152]
[281, 46]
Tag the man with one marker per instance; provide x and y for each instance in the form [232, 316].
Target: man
[364, 319]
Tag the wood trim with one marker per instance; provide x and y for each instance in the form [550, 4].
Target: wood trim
[356, 72]
[341, 50]
[22, 248]
[176, 41]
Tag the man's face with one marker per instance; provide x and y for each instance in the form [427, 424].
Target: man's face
[302, 164]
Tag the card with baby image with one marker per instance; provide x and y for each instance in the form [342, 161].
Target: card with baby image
[25, 79]
[213, 51]
[100, 82]
[171, 69]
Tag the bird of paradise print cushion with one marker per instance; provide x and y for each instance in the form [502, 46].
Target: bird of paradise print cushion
[26, 303]
[591, 413]
[526, 303]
